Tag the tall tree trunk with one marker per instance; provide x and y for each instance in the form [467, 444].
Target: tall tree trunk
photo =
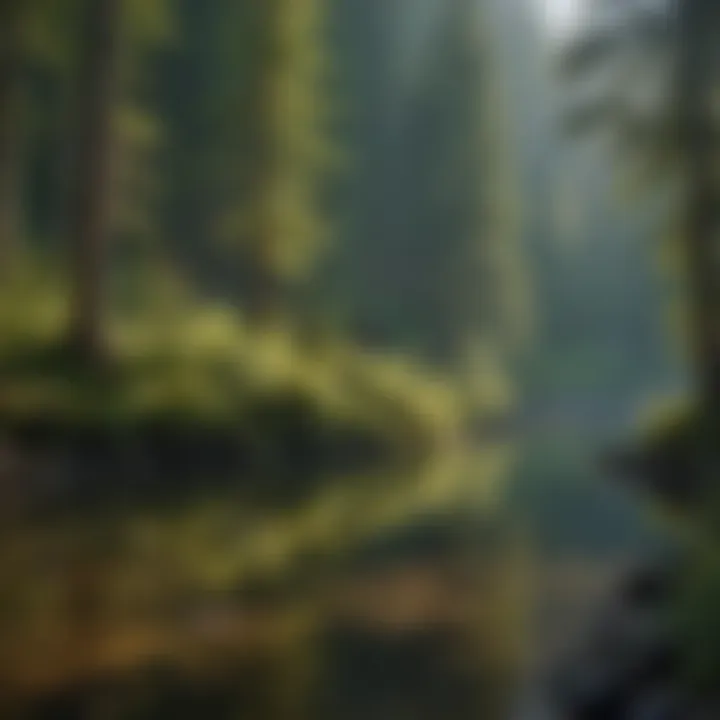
[260, 256]
[11, 124]
[698, 138]
[699, 148]
[93, 212]
[285, 152]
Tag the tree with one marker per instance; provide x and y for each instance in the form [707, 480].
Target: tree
[149, 33]
[418, 239]
[98, 87]
[697, 84]
[668, 119]
[278, 227]
[245, 104]
[658, 103]
[12, 16]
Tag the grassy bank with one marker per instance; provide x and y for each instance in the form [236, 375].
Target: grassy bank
[192, 385]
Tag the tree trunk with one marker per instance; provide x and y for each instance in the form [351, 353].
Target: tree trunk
[698, 145]
[98, 84]
[11, 124]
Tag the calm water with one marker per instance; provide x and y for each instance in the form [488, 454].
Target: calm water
[418, 595]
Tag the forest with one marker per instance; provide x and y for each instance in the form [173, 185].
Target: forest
[332, 333]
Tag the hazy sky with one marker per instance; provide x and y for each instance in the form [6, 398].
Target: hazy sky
[560, 16]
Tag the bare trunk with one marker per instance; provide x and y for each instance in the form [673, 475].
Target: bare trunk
[11, 124]
[698, 137]
[92, 212]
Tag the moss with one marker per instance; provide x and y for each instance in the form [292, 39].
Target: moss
[186, 364]
[678, 445]
[671, 423]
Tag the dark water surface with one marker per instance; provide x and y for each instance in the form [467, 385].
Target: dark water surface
[415, 595]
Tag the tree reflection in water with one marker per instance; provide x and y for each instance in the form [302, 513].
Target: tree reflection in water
[389, 597]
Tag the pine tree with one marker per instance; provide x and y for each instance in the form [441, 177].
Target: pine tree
[12, 26]
[660, 109]
[245, 102]
[96, 144]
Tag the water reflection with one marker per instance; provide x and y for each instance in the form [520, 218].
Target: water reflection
[387, 596]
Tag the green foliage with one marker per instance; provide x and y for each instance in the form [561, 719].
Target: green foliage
[697, 618]
[51, 34]
[675, 439]
[200, 363]
[139, 190]
[244, 97]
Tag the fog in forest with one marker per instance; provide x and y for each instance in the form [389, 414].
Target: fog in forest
[358, 359]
